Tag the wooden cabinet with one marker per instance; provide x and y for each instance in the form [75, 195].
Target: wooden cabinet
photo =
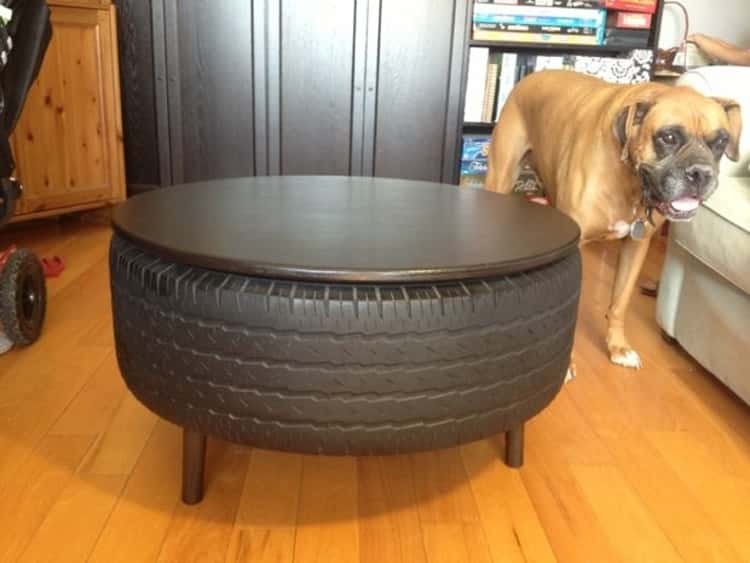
[268, 87]
[68, 141]
[103, 4]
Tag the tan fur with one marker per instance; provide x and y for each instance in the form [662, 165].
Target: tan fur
[567, 121]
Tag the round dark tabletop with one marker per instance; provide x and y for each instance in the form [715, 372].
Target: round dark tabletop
[346, 229]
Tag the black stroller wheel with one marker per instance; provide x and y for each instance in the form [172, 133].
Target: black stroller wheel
[23, 298]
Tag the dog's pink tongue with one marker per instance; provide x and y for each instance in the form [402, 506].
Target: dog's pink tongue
[685, 204]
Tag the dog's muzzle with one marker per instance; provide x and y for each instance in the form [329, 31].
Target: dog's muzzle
[676, 191]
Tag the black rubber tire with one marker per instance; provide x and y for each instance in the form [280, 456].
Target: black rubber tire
[341, 369]
[23, 298]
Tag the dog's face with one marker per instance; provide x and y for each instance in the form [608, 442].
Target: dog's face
[675, 142]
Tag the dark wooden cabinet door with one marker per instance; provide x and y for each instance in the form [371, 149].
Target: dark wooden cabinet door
[317, 49]
[137, 79]
[419, 68]
[209, 56]
[267, 87]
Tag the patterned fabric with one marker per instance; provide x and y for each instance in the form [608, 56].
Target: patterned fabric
[634, 69]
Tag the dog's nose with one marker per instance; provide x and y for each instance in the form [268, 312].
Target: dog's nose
[699, 175]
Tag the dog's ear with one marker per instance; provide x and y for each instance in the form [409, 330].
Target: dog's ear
[735, 127]
[626, 121]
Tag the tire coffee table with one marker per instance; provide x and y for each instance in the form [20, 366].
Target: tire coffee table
[339, 315]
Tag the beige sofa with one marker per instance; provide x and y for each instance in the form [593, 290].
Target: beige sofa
[704, 295]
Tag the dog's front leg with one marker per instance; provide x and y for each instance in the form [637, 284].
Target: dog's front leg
[632, 255]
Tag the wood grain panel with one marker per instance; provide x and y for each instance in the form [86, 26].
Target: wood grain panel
[389, 527]
[456, 90]
[68, 141]
[415, 64]
[512, 527]
[200, 533]
[264, 530]
[137, 54]
[34, 489]
[266, 63]
[316, 86]
[212, 117]
[83, 3]
[327, 530]
[631, 528]
[138, 524]
[75, 521]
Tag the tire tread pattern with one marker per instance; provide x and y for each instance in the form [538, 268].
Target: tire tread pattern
[341, 368]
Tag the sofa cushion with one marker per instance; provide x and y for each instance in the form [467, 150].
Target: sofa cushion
[719, 236]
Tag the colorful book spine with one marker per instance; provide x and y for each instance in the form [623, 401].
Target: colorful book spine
[545, 3]
[474, 160]
[536, 28]
[647, 6]
[629, 20]
[475, 147]
[490, 88]
[552, 38]
[488, 19]
[538, 20]
[542, 12]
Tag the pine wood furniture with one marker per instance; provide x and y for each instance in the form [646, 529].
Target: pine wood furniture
[68, 141]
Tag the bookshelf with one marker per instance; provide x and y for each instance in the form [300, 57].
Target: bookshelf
[479, 127]
[549, 48]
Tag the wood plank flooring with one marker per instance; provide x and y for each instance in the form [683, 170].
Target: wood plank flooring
[624, 466]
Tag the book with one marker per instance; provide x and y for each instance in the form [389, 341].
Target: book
[525, 66]
[475, 147]
[546, 3]
[551, 38]
[487, 16]
[507, 79]
[481, 20]
[474, 154]
[582, 14]
[632, 38]
[475, 85]
[536, 28]
[647, 6]
[490, 88]
[629, 20]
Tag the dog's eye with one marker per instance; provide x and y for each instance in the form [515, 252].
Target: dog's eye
[669, 139]
[720, 143]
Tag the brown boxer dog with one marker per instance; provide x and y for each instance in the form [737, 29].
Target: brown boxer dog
[620, 160]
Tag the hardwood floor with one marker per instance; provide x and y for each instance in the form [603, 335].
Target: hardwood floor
[624, 466]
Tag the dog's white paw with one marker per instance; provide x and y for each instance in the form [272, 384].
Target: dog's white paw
[570, 375]
[626, 358]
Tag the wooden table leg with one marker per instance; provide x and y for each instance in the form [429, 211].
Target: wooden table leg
[193, 463]
[514, 446]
